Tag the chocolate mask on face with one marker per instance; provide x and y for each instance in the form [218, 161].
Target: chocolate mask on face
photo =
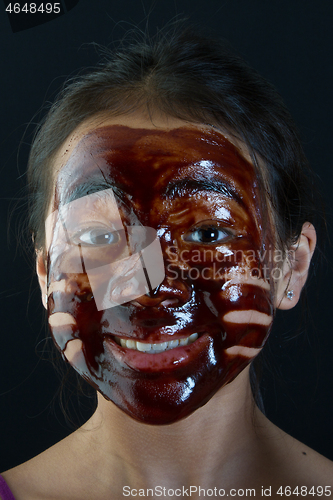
[155, 284]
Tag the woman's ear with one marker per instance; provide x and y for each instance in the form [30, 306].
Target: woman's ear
[296, 268]
[42, 275]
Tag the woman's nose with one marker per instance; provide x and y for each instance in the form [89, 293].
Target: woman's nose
[170, 293]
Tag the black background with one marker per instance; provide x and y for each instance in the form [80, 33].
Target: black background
[290, 43]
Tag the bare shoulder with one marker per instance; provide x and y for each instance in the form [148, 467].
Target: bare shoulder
[28, 479]
[48, 475]
[309, 464]
[291, 463]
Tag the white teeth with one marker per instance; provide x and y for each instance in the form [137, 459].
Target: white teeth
[141, 346]
[192, 338]
[158, 347]
[155, 348]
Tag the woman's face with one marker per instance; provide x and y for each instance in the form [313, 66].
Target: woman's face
[158, 291]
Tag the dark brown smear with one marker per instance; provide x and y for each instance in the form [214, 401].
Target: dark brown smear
[142, 163]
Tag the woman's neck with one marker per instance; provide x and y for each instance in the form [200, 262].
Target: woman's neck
[211, 443]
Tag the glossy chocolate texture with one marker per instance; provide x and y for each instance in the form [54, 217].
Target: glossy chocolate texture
[201, 196]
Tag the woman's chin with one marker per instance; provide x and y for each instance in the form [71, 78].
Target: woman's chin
[166, 402]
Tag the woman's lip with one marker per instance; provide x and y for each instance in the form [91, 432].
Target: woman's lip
[163, 361]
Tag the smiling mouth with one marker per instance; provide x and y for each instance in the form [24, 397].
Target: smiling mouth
[158, 347]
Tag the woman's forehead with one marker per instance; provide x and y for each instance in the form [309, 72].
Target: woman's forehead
[161, 161]
[136, 121]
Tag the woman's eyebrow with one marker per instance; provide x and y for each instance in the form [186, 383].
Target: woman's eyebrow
[178, 188]
[93, 186]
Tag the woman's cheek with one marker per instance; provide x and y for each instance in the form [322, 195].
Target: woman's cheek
[238, 294]
[70, 297]
[246, 314]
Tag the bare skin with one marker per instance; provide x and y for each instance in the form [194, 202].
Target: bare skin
[228, 443]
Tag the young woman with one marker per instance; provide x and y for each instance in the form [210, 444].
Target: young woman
[171, 215]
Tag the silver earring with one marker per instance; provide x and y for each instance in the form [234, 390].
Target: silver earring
[45, 297]
[290, 294]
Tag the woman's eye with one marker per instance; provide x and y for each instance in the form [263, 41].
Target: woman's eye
[207, 234]
[96, 236]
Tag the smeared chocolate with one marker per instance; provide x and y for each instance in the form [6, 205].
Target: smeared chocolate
[190, 185]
